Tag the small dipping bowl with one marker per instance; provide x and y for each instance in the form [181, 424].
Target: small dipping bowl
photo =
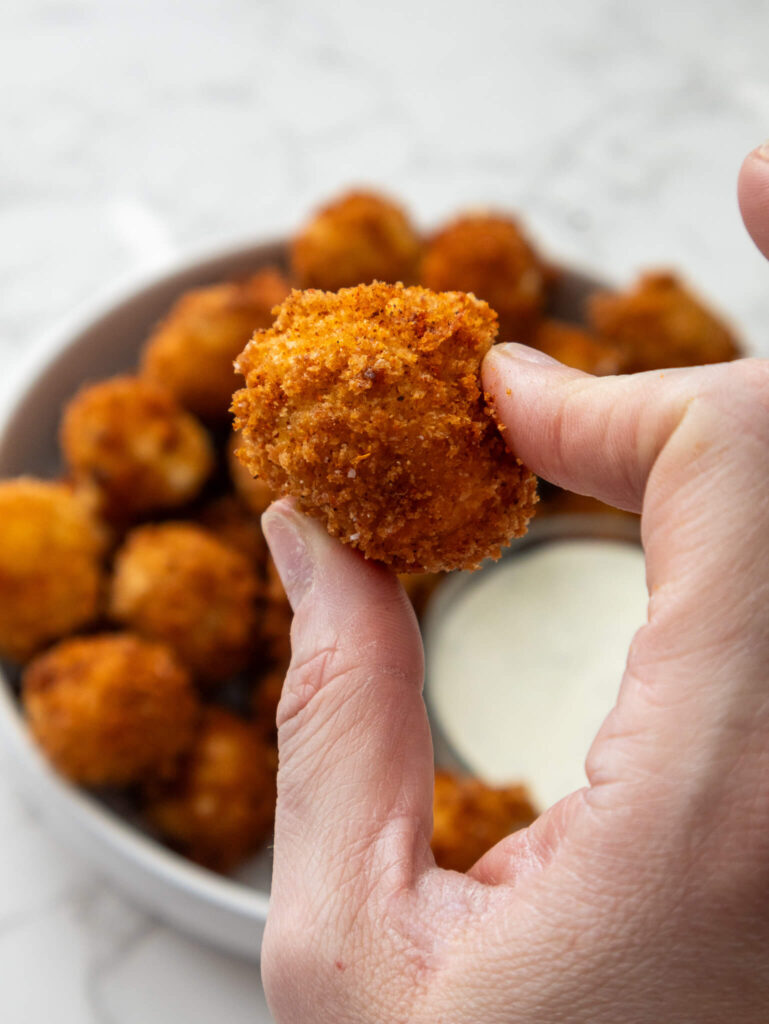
[525, 656]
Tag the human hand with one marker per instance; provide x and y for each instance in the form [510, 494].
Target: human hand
[641, 898]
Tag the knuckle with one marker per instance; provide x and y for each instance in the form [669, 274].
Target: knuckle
[309, 675]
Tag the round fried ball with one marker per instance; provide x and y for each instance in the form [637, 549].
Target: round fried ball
[359, 238]
[178, 583]
[469, 817]
[256, 494]
[51, 579]
[229, 519]
[576, 347]
[222, 806]
[366, 406]
[658, 324]
[192, 351]
[131, 439]
[110, 710]
[488, 255]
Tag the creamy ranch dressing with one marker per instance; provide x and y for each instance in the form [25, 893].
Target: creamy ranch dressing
[527, 660]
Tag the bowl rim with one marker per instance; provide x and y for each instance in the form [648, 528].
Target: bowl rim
[119, 835]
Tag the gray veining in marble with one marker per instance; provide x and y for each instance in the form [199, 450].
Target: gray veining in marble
[134, 132]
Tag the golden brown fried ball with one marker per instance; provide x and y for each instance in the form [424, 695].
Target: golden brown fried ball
[111, 709]
[366, 405]
[222, 806]
[131, 439]
[469, 817]
[419, 587]
[192, 351]
[178, 583]
[51, 579]
[659, 323]
[229, 519]
[575, 347]
[488, 255]
[254, 492]
[358, 238]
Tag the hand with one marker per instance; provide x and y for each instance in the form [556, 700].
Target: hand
[640, 899]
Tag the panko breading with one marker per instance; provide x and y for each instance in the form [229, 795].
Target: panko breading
[110, 710]
[221, 807]
[659, 324]
[192, 351]
[488, 255]
[254, 492]
[178, 583]
[234, 524]
[366, 406]
[51, 577]
[575, 347]
[358, 238]
[133, 441]
[469, 817]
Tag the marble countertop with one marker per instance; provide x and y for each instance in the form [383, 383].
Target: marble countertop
[134, 133]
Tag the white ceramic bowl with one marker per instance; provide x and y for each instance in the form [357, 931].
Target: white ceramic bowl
[97, 343]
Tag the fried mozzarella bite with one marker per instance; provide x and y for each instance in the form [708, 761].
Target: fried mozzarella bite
[489, 255]
[254, 492]
[366, 406]
[178, 583]
[234, 524]
[51, 577]
[358, 238]
[110, 710]
[192, 350]
[221, 807]
[659, 323]
[469, 817]
[132, 440]
[576, 347]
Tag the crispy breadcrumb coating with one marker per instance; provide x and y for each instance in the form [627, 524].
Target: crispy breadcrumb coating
[192, 350]
[110, 710]
[178, 583]
[254, 492]
[221, 807]
[358, 238]
[469, 817]
[131, 439]
[659, 323]
[51, 578]
[229, 519]
[575, 347]
[366, 406]
[489, 255]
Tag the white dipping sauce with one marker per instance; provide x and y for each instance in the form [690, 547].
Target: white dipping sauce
[528, 658]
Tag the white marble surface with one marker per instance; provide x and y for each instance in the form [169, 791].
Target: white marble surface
[134, 132]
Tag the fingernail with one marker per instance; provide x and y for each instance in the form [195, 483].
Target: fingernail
[514, 350]
[285, 530]
[763, 151]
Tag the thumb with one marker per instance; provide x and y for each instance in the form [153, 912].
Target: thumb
[598, 436]
[354, 804]
[753, 196]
